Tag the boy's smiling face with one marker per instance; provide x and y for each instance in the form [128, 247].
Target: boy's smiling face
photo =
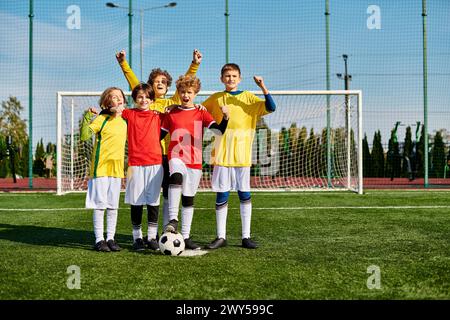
[143, 101]
[160, 86]
[231, 80]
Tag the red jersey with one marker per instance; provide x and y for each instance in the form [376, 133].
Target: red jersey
[186, 134]
[144, 145]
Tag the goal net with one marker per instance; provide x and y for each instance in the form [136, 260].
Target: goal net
[311, 142]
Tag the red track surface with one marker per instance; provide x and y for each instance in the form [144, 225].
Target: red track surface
[43, 184]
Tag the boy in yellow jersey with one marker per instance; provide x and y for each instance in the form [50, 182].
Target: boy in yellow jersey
[107, 168]
[160, 80]
[232, 156]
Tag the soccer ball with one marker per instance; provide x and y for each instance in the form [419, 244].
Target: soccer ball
[171, 244]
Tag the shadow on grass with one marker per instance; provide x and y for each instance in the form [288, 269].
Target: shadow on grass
[58, 237]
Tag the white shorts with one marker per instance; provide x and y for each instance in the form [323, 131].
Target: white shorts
[191, 177]
[103, 193]
[225, 179]
[144, 185]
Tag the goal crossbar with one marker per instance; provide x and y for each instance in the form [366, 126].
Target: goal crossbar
[284, 158]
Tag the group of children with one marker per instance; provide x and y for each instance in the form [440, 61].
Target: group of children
[165, 151]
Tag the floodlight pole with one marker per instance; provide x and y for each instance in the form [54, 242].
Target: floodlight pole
[347, 79]
[425, 91]
[141, 51]
[130, 32]
[227, 47]
[30, 98]
[327, 39]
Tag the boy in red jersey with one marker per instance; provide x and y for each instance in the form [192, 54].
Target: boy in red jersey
[185, 124]
[145, 171]
[160, 81]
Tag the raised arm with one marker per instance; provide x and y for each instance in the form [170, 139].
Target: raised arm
[269, 103]
[86, 132]
[193, 68]
[133, 81]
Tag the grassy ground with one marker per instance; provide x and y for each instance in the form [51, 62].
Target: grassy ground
[312, 246]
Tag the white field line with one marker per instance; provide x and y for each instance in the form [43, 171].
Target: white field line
[254, 208]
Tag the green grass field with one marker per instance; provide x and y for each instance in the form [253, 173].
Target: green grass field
[312, 246]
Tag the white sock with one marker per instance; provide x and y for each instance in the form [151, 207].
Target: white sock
[152, 230]
[98, 225]
[137, 233]
[165, 211]
[174, 201]
[246, 216]
[187, 213]
[111, 222]
[221, 221]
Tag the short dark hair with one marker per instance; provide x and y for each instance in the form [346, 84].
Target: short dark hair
[158, 72]
[148, 90]
[230, 66]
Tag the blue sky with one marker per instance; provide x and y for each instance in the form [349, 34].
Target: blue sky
[284, 41]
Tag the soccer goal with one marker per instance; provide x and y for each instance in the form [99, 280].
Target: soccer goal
[312, 142]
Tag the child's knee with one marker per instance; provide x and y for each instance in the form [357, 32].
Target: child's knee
[222, 198]
[176, 178]
[244, 196]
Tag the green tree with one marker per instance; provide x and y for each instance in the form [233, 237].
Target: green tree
[293, 145]
[438, 156]
[39, 156]
[339, 138]
[10, 122]
[407, 151]
[23, 159]
[393, 161]
[3, 158]
[322, 156]
[11, 125]
[367, 158]
[377, 156]
[284, 151]
[421, 153]
[312, 154]
[50, 152]
[299, 152]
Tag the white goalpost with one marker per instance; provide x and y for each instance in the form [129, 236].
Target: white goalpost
[312, 142]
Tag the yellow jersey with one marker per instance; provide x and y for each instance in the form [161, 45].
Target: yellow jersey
[108, 155]
[234, 147]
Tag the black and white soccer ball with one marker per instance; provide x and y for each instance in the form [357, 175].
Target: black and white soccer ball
[171, 244]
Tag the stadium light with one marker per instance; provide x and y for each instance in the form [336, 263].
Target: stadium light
[141, 17]
[346, 77]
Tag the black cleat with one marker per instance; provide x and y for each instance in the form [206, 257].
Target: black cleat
[171, 226]
[189, 244]
[249, 244]
[113, 246]
[138, 245]
[153, 244]
[217, 243]
[102, 246]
